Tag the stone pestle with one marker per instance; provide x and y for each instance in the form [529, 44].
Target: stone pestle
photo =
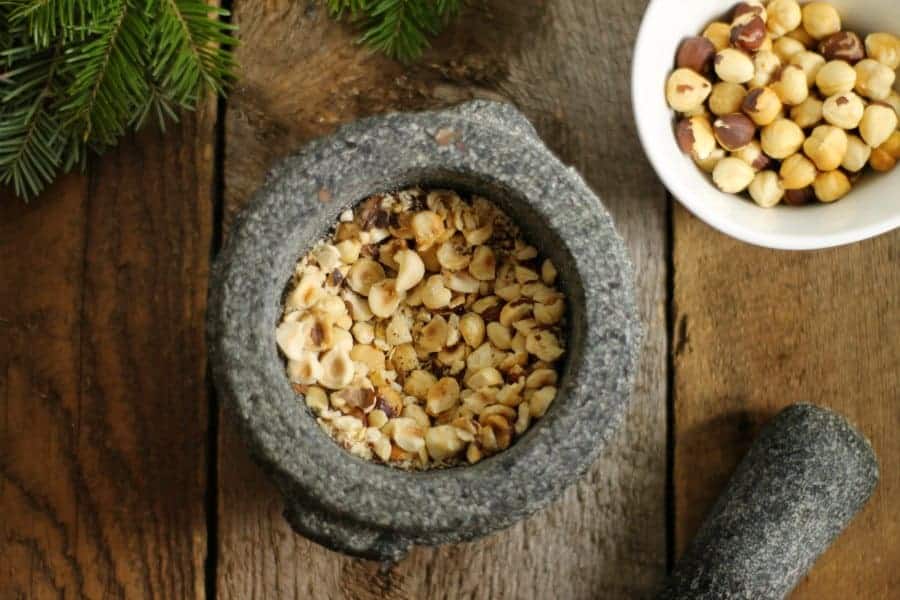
[800, 484]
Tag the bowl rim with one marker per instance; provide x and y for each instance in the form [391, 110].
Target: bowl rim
[661, 165]
[448, 504]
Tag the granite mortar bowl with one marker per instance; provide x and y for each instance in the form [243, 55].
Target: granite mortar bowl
[370, 510]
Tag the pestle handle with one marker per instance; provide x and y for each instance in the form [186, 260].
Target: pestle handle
[800, 484]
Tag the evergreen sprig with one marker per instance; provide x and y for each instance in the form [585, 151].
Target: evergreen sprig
[399, 28]
[76, 75]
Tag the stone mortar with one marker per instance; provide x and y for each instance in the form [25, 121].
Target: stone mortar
[369, 510]
[803, 480]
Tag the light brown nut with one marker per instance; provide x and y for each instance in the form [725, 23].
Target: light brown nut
[540, 401]
[499, 335]
[487, 377]
[826, 147]
[545, 345]
[398, 330]
[388, 250]
[433, 336]
[878, 123]
[472, 329]
[820, 19]
[337, 369]
[719, 34]
[390, 401]
[791, 86]
[377, 418]
[550, 314]
[548, 272]
[382, 448]
[882, 161]
[357, 305]
[892, 145]
[748, 32]
[513, 291]
[797, 172]
[541, 378]
[349, 251]
[363, 332]
[518, 343]
[885, 48]
[893, 100]
[511, 394]
[473, 453]
[836, 77]
[731, 65]
[347, 231]
[481, 357]
[523, 420]
[417, 414]
[461, 282]
[526, 275]
[873, 79]
[766, 189]
[454, 254]
[786, 47]
[858, 153]
[753, 155]
[342, 339]
[434, 294]
[708, 165]
[443, 443]
[348, 423]
[352, 397]
[484, 264]
[783, 16]
[364, 274]
[429, 257]
[404, 358]
[843, 45]
[749, 8]
[844, 110]
[831, 186]
[695, 137]
[726, 98]
[410, 269]
[734, 131]
[369, 356]
[418, 383]
[732, 175]
[781, 139]
[316, 399]
[385, 298]
[765, 64]
[428, 229]
[308, 290]
[762, 105]
[291, 337]
[808, 113]
[442, 396]
[810, 63]
[799, 197]
[408, 434]
[696, 53]
[515, 311]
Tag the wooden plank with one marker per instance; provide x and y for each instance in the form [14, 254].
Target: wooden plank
[564, 63]
[102, 375]
[757, 330]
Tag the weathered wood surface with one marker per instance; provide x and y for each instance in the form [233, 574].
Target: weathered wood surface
[756, 330]
[565, 64]
[103, 412]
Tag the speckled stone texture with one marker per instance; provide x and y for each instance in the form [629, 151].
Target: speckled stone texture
[801, 483]
[373, 511]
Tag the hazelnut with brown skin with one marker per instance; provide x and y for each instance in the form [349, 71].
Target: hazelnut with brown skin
[696, 53]
[762, 105]
[748, 33]
[799, 197]
[748, 8]
[734, 131]
[843, 45]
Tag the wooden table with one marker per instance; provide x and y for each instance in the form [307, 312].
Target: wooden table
[120, 478]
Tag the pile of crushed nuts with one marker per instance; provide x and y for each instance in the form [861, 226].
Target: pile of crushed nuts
[782, 102]
[424, 333]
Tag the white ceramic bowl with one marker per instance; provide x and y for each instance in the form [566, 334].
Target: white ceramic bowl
[871, 208]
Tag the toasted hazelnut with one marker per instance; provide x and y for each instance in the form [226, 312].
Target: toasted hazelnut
[443, 442]
[398, 330]
[550, 314]
[540, 401]
[418, 383]
[434, 294]
[797, 172]
[462, 282]
[696, 53]
[826, 147]
[836, 77]
[485, 378]
[831, 186]
[810, 63]
[472, 329]
[748, 32]
[799, 197]
[695, 137]
[803, 37]
[410, 269]
[454, 254]
[766, 189]
[873, 79]
[442, 396]
[428, 228]
[878, 123]
[734, 131]
[820, 19]
[708, 165]
[719, 34]
[433, 336]
[893, 100]
[726, 98]
[337, 369]
[892, 145]
[781, 139]
[733, 66]
[525, 275]
[732, 175]
[548, 272]
[404, 358]
[483, 305]
[484, 264]
[342, 340]
[858, 153]
[417, 414]
[885, 48]
[523, 420]
[765, 64]
[514, 311]
[786, 47]
[364, 274]
[751, 154]
[762, 105]
[347, 231]
[408, 434]
[791, 86]
[499, 335]
[349, 251]
[316, 399]
[545, 344]
[305, 370]
[843, 45]
[359, 306]
[882, 161]
[749, 8]
[308, 291]
[783, 16]
[808, 113]
[429, 257]
[384, 298]
[844, 110]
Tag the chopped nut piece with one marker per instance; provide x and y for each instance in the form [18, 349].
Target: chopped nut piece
[486, 377]
[471, 327]
[540, 401]
[316, 399]
[443, 442]
[442, 396]
[364, 274]
[435, 295]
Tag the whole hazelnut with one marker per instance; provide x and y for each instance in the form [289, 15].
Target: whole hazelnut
[765, 64]
[892, 145]
[695, 137]
[843, 45]
[786, 47]
[734, 131]
[873, 79]
[878, 123]
[826, 147]
[803, 37]
[882, 161]
[858, 153]
[893, 100]
[791, 87]
[726, 98]
[748, 32]
[799, 197]
[885, 48]
[696, 53]
[784, 16]
[732, 175]
[719, 34]
[820, 19]
[762, 105]
[766, 189]
[709, 164]
[835, 77]
[733, 66]
[753, 155]
[781, 139]
[810, 63]
[808, 113]
[797, 172]
[831, 186]
[686, 90]
[844, 110]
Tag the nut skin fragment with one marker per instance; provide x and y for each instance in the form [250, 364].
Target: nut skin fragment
[799, 197]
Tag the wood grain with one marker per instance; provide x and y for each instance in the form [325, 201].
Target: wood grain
[757, 330]
[562, 62]
[103, 410]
